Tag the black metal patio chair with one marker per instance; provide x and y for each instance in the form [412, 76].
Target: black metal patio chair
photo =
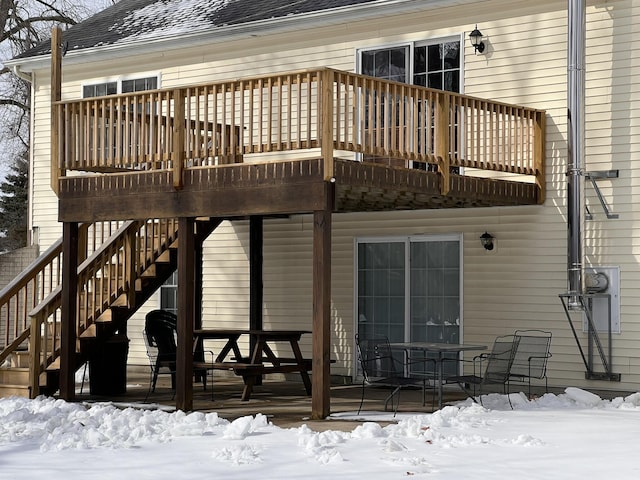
[530, 360]
[381, 368]
[497, 367]
[160, 335]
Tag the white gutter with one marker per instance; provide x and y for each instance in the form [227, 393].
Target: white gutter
[17, 71]
[146, 45]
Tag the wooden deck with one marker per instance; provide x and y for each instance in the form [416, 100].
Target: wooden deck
[274, 145]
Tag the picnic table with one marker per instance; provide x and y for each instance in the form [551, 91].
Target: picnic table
[262, 359]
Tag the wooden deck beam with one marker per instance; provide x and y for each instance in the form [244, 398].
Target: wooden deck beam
[290, 187]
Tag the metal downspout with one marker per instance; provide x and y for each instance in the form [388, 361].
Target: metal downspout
[575, 148]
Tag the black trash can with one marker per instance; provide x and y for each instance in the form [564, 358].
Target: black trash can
[108, 366]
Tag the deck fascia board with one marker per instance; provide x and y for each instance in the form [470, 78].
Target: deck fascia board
[277, 188]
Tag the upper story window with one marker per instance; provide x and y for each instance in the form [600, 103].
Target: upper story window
[386, 63]
[428, 64]
[437, 66]
[139, 84]
[120, 86]
[100, 89]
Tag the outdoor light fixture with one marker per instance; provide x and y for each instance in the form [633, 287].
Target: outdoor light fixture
[486, 239]
[476, 40]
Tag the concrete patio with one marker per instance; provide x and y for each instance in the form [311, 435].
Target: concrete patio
[283, 401]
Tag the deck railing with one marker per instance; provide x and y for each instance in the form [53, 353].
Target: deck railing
[325, 109]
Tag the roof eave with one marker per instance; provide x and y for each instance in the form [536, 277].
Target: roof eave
[235, 32]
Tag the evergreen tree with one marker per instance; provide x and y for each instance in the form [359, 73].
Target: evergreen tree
[13, 206]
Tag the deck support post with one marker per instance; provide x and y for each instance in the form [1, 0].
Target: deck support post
[442, 140]
[178, 153]
[69, 307]
[56, 96]
[198, 350]
[321, 371]
[197, 292]
[256, 239]
[186, 313]
[326, 145]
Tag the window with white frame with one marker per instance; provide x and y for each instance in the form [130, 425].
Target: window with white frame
[434, 64]
[119, 86]
[428, 64]
[169, 294]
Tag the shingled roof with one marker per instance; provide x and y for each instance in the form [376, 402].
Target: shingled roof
[130, 20]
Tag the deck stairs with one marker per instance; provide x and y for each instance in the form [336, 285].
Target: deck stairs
[120, 268]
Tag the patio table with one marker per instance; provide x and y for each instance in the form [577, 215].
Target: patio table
[440, 349]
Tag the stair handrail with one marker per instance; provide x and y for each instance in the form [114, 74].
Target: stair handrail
[14, 333]
[45, 349]
[34, 284]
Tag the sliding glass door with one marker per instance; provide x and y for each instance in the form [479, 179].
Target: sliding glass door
[382, 289]
[409, 288]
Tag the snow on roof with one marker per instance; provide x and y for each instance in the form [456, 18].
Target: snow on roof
[131, 20]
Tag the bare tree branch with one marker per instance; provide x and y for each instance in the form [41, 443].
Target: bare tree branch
[14, 103]
[58, 11]
[28, 22]
[23, 24]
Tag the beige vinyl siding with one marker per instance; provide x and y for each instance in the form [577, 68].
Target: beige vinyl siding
[514, 286]
[44, 201]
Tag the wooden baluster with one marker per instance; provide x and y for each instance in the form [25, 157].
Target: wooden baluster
[309, 136]
[35, 349]
[197, 139]
[207, 140]
[216, 152]
[290, 87]
[338, 109]
[232, 124]
[260, 139]
[279, 113]
[269, 113]
[297, 144]
[239, 142]
[251, 89]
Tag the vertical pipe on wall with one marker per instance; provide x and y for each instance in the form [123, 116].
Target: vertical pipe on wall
[575, 147]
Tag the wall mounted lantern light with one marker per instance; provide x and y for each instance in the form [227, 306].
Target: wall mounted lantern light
[486, 239]
[476, 40]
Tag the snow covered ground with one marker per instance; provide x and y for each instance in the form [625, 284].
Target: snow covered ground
[572, 435]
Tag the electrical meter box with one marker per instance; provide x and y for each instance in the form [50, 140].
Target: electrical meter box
[602, 285]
